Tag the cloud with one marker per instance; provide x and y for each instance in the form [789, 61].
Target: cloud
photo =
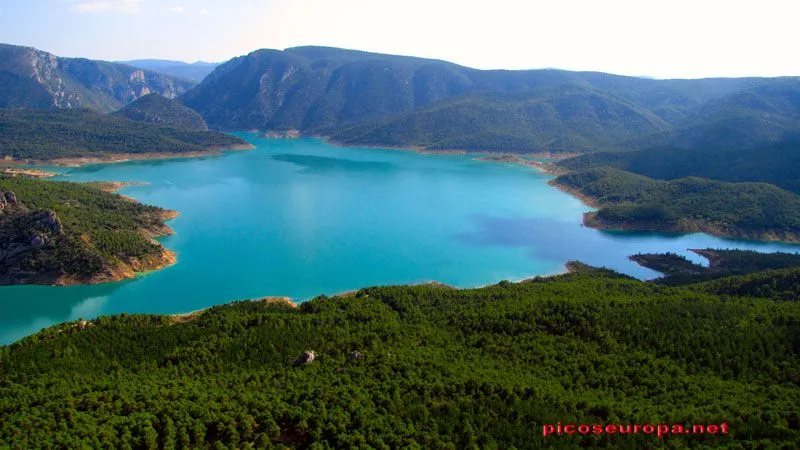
[205, 12]
[178, 9]
[125, 6]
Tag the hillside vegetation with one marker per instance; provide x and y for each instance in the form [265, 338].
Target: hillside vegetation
[679, 270]
[424, 366]
[159, 110]
[324, 90]
[68, 233]
[57, 134]
[634, 202]
[750, 135]
[564, 119]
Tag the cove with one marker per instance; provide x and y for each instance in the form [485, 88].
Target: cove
[300, 218]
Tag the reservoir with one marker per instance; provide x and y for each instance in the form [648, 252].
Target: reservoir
[300, 218]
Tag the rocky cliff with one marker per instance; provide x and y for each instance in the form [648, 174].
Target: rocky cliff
[32, 78]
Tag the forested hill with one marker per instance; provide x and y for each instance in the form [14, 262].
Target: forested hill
[568, 118]
[59, 134]
[750, 135]
[628, 201]
[69, 233]
[376, 99]
[159, 110]
[319, 89]
[777, 164]
[31, 78]
[425, 366]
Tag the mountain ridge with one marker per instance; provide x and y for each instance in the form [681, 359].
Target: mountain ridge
[77, 82]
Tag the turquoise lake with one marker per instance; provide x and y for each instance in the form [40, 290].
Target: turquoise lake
[300, 218]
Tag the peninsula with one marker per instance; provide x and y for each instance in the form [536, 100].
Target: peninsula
[59, 233]
[626, 201]
[74, 137]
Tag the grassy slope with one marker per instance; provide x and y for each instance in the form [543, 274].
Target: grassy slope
[45, 135]
[427, 366]
[105, 236]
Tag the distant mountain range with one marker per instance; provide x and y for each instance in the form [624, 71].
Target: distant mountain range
[31, 78]
[731, 129]
[357, 97]
[367, 98]
[194, 72]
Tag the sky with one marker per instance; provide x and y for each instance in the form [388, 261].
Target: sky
[657, 38]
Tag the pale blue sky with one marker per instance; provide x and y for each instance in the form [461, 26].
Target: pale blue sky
[660, 38]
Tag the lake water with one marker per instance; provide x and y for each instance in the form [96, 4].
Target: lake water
[300, 218]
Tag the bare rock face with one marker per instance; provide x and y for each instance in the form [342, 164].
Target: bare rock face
[38, 242]
[81, 83]
[48, 221]
[137, 75]
[305, 358]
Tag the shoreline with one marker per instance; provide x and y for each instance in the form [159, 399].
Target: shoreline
[32, 173]
[124, 270]
[114, 158]
[585, 199]
[686, 226]
[454, 151]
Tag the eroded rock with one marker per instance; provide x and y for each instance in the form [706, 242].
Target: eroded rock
[48, 221]
[305, 358]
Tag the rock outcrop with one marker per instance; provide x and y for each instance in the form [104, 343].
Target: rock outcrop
[305, 358]
[37, 79]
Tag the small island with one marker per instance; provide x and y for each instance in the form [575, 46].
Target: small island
[60, 233]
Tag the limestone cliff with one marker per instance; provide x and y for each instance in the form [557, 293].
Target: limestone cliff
[47, 81]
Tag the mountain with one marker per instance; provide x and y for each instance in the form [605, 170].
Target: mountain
[31, 78]
[194, 72]
[159, 110]
[425, 367]
[82, 133]
[567, 118]
[777, 164]
[750, 135]
[69, 233]
[763, 113]
[627, 201]
[321, 90]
